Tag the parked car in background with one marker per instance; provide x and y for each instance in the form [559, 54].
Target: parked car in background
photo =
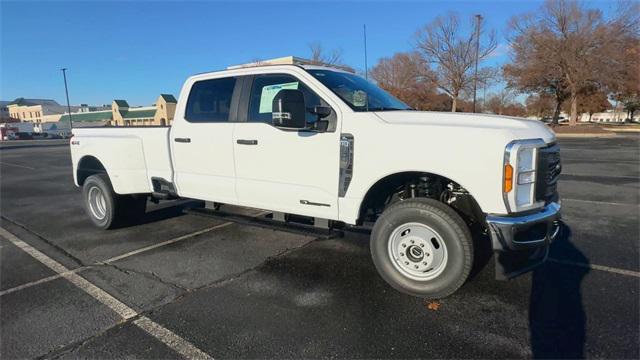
[323, 143]
[51, 135]
[23, 136]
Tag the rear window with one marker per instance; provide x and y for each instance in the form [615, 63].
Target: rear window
[210, 100]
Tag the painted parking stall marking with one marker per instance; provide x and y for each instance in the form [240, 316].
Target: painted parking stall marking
[164, 243]
[172, 340]
[38, 282]
[125, 255]
[175, 342]
[596, 267]
[600, 202]
[17, 165]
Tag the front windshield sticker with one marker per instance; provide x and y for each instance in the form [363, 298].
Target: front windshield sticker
[359, 98]
[358, 93]
[270, 91]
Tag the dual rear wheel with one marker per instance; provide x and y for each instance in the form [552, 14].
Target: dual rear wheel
[105, 208]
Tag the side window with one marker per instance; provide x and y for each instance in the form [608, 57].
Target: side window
[210, 100]
[265, 88]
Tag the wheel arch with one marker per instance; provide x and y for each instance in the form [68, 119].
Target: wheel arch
[87, 166]
[383, 186]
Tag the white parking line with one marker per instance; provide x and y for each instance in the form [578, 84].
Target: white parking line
[175, 342]
[178, 344]
[115, 258]
[125, 255]
[17, 165]
[154, 246]
[171, 241]
[603, 176]
[597, 267]
[600, 202]
[38, 282]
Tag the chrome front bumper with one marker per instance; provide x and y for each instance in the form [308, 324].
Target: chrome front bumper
[521, 243]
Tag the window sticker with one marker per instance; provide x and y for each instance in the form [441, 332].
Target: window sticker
[270, 91]
[359, 98]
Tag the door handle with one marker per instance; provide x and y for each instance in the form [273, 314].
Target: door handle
[247, 142]
[182, 140]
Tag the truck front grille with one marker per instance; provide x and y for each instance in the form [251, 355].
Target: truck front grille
[549, 168]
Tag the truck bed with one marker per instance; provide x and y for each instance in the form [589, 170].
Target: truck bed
[131, 155]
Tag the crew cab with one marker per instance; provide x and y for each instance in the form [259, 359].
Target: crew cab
[323, 143]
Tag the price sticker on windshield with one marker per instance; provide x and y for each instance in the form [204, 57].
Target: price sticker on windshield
[359, 98]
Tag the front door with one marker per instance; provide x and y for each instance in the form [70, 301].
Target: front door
[290, 171]
[201, 141]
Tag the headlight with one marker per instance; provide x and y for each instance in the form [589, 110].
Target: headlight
[519, 178]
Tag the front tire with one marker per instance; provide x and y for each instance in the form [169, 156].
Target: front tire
[106, 209]
[422, 247]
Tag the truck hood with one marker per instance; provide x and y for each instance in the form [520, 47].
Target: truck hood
[518, 128]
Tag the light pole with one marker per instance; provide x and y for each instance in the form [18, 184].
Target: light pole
[475, 73]
[66, 91]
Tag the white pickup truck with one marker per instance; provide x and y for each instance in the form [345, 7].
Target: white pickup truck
[323, 143]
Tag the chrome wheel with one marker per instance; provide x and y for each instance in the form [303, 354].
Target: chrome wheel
[97, 203]
[417, 251]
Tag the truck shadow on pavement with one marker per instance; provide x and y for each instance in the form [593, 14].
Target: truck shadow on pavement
[556, 313]
[155, 213]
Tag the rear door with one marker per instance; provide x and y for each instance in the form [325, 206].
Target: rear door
[290, 171]
[201, 139]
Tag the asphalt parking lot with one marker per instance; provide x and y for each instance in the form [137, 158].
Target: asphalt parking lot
[185, 285]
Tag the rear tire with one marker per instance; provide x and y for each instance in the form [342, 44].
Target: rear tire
[422, 247]
[105, 208]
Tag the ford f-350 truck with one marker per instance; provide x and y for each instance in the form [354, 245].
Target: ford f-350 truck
[323, 143]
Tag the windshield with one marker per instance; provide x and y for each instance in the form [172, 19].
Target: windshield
[357, 92]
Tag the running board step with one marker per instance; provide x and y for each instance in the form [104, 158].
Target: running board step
[163, 195]
[266, 221]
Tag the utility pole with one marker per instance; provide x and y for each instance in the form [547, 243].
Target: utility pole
[66, 91]
[366, 67]
[475, 73]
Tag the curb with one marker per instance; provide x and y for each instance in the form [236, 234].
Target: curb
[610, 135]
[623, 130]
[30, 146]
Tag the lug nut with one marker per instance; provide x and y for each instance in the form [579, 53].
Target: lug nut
[416, 266]
[421, 245]
[404, 245]
[413, 242]
[401, 254]
[406, 263]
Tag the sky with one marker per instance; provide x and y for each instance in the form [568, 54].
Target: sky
[135, 50]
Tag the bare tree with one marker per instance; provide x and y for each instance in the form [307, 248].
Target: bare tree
[322, 57]
[567, 50]
[593, 102]
[627, 88]
[401, 71]
[406, 77]
[539, 106]
[499, 101]
[451, 53]
[533, 67]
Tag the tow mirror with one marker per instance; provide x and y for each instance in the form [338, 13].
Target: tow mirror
[288, 110]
